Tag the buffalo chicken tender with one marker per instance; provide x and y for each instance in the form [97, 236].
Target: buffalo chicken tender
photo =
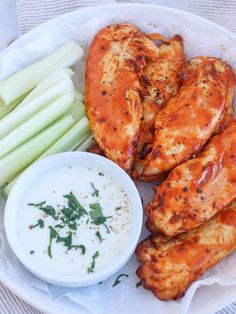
[202, 107]
[197, 189]
[116, 59]
[169, 266]
[160, 81]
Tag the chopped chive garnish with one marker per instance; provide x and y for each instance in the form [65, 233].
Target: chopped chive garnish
[47, 209]
[59, 226]
[53, 235]
[98, 235]
[118, 208]
[138, 284]
[74, 209]
[39, 223]
[92, 266]
[67, 241]
[97, 216]
[37, 204]
[79, 246]
[117, 281]
[95, 191]
[69, 215]
[96, 211]
[73, 226]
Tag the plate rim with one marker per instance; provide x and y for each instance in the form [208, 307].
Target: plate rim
[201, 19]
[5, 279]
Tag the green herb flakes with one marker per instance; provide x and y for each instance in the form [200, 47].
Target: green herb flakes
[53, 235]
[73, 226]
[79, 246]
[74, 209]
[92, 266]
[97, 216]
[68, 215]
[47, 209]
[59, 226]
[67, 241]
[74, 204]
[117, 281]
[95, 191]
[138, 284]
[39, 223]
[98, 235]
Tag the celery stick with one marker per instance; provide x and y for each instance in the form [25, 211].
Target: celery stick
[77, 110]
[69, 71]
[35, 124]
[27, 78]
[22, 113]
[7, 189]
[4, 110]
[90, 141]
[49, 82]
[79, 96]
[13, 163]
[71, 139]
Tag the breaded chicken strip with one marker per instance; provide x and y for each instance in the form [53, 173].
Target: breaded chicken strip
[190, 118]
[160, 81]
[170, 266]
[197, 189]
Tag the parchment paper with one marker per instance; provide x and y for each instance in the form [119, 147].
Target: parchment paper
[124, 298]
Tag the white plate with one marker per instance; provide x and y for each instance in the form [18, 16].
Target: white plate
[203, 302]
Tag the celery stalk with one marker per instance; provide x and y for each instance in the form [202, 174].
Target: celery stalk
[27, 78]
[77, 110]
[35, 124]
[71, 139]
[7, 189]
[49, 82]
[13, 163]
[4, 110]
[89, 141]
[22, 113]
[79, 96]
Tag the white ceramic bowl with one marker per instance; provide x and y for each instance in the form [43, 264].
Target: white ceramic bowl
[73, 159]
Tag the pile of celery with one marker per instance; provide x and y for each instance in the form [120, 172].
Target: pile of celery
[40, 114]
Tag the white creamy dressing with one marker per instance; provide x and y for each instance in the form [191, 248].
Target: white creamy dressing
[51, 187]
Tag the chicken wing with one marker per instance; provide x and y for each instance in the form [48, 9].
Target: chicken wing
[190, 118]
[197, 189]
[115, 62]
[160, 81]
[170, 266]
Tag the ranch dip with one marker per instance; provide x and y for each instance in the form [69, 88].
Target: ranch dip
[74, 220]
